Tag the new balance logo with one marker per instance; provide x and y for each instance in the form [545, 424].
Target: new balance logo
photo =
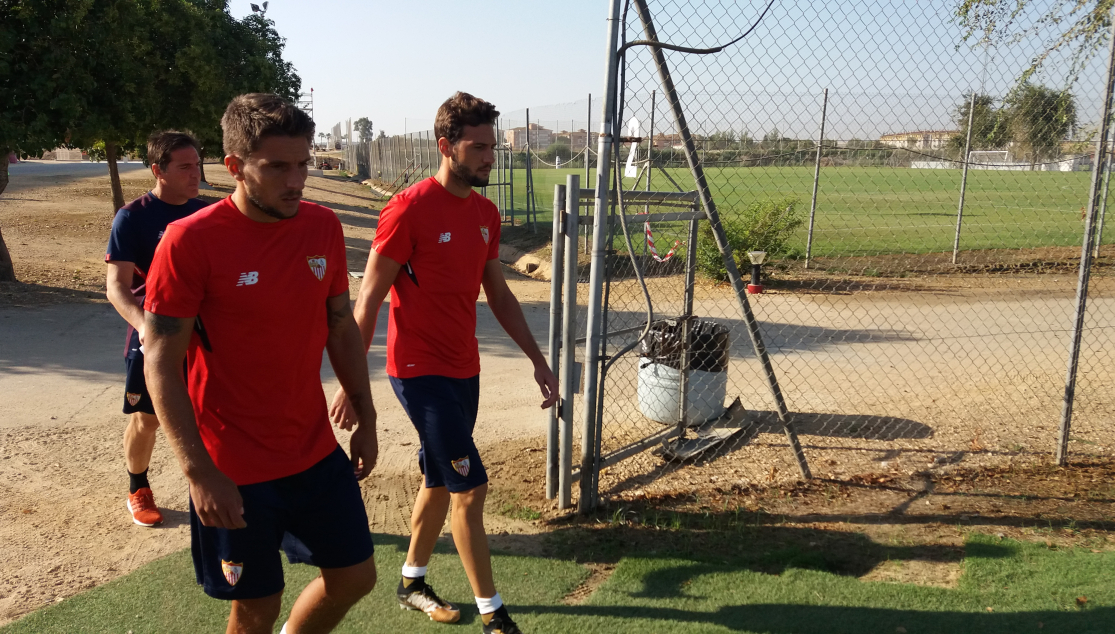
[247, 279]
[443, 237]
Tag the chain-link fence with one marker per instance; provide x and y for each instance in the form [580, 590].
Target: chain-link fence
[926, 206]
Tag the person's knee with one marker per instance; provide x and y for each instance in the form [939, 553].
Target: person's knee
[471, 501]
[145, 423]
[252, 615]
[349, 585]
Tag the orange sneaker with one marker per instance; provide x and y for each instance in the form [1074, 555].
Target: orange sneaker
[141, 505]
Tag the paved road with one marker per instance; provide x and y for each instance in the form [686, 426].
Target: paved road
[63, 168]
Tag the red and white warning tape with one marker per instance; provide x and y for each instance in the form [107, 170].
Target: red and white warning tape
[653, 251]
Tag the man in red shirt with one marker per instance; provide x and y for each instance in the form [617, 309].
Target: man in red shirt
[436, 244]
[250, 291]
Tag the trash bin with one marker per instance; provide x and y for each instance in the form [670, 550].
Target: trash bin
[659, 382]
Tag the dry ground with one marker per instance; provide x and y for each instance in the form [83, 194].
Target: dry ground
[61, 484]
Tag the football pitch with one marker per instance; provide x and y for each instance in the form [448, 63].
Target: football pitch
[866, 211]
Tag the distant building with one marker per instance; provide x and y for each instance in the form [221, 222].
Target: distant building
[919, 139]
[540, 138]
[577, 139]
[662, 140]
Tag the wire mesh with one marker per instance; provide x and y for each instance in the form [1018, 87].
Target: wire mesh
[918, 314]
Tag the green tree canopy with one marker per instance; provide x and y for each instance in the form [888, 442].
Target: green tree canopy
[1078, 26]
[76, 72]
[990, 124]
[363, 126]
[1041, 118]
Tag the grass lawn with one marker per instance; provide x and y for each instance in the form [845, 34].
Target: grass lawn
[1007, 587]
[878, 210]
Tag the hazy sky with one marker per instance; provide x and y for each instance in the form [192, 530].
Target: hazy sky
[890, 65]
[394, 60]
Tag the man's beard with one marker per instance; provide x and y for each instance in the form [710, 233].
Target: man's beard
[269, 210]
[466, 175]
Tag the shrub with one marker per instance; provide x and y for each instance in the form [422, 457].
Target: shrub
[766, 225]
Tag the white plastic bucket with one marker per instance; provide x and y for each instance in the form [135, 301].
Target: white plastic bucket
[660, 386]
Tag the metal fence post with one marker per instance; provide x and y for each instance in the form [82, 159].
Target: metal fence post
[588, 157]
[1086, 259]
[816, 179]
[721, 240]
[557, 260]
[964, 178]
[569, 374]
[1103, 204]
[600, 223]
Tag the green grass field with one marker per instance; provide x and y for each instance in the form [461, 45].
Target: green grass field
[877, 210]
[1007, 587]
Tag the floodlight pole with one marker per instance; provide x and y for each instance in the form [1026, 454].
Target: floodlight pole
[695, 167]
[964, 177]
[1086, 259]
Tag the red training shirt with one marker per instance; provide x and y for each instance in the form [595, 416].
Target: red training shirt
[443, 243]
[259, 291]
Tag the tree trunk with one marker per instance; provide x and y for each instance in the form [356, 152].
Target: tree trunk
[201, 166]
[7, 269]
[114, 176]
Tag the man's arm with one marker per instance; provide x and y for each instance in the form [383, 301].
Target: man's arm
[505, 306]
[215, 496]
[379, 275]
[350, 364]
[118, 287]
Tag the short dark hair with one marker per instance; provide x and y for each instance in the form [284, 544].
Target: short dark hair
[460, 110]
[161, 144]
[255, 116]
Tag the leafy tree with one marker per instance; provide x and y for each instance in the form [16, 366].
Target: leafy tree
[1040, 118]
[990, 125]
[76, 72]
[41, 77]
[1080, 26]
[363, 125]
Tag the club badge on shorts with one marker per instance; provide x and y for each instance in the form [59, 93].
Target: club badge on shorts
[232, 571]
[317, 265]
[484, 234]
[461, 466]
[133, 398]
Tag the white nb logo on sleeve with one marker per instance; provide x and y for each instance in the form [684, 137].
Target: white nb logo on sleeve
[443, 237]
[247, 279]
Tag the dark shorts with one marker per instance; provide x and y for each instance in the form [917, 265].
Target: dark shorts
[443, 410]
[136, 398]
[316, 517]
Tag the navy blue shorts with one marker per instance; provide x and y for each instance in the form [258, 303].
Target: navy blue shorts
[443, 410]
[316, 517]
[136, 398]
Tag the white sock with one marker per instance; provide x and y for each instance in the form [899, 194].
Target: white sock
[487, 606]
[283, 631]
[414, 572]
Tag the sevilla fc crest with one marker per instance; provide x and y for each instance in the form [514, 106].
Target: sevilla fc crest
[461, 466]
[133, 398]
[232, 571]
[484, 234]
[317, 265]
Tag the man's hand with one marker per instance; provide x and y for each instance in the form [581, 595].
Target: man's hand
[141, 331]
[341, 412]
[364, 448]
[548, 383]
[217, 501]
